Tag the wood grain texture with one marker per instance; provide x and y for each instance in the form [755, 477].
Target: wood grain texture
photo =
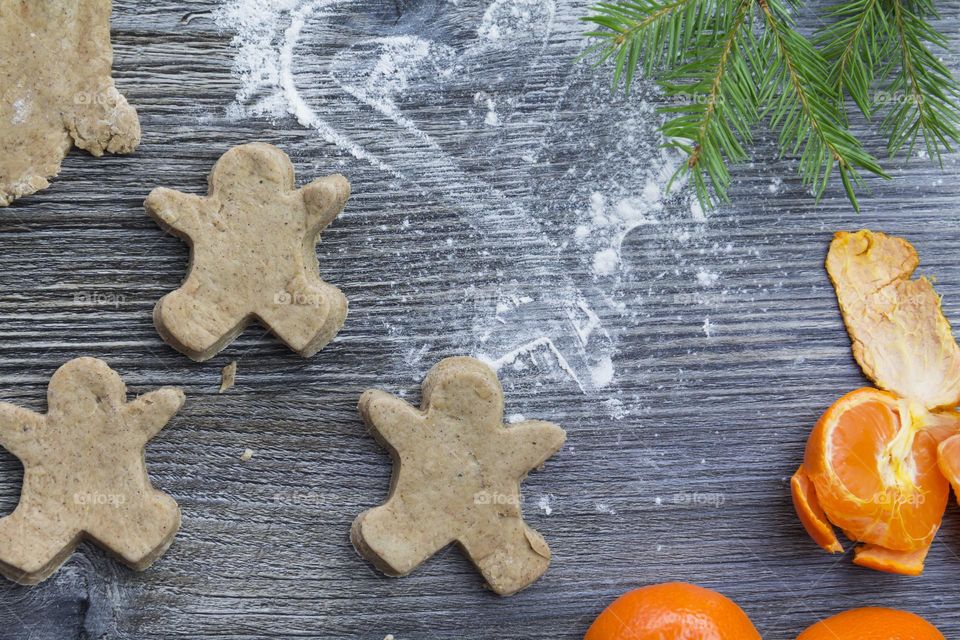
[678, 470]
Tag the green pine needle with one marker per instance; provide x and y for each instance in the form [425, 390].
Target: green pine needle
[881, 57]
[646, 32]
[731, 64]
[801, 105]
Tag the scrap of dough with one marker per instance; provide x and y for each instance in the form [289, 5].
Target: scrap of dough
[899, 334]
[228, 376]
[457, 478]
[253, 255]
[56, 91]
[84, 473]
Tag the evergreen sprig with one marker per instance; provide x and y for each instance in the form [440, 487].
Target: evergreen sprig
[732, 64]
[882, 59]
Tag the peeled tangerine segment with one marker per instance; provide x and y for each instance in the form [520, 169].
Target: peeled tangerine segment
[900, 336]
[948, 459]
[909, 563]
[871, 469]
[811, 513]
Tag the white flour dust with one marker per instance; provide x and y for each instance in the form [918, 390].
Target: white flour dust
[545, 504]
[514, 19]
[266, 37]
[544, 322]
[482, 99]
[379, 71]
[610, 222]
[21, 111]
[531, 349]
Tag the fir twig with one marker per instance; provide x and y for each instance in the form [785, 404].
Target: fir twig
[720, 109]
[800, 103]
[646, 32]
[858, 45]
[882, 58]
[738, 62]
[930, 91]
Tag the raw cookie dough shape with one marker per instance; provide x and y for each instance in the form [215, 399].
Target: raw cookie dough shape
[253, 255]
[456, 478]
[84, 473]
[56, 91]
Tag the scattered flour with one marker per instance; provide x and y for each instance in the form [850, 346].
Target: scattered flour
[266, 37]
[381, 70]
[708, 327]
[491, 119]
[530, 349]
[545, 503]
[604, 508]
[615, 184]
[707, 278]
[606, 262]
[482, 98]
[514, 19]
[696, 211]
[610, 222]
[602, 373]
[21, 111]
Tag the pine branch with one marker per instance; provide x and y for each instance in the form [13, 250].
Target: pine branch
[721, 107]
[711, 52]
[931, 93]
[859, 45]
[648, 33]
[881, 58]
[806, 112]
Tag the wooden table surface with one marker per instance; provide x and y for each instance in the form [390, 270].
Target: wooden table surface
[505, 205]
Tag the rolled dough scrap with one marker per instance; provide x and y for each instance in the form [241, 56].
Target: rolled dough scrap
[253, 255]
[457, 474]
[84, 473]
[228, 376]
[56, 91]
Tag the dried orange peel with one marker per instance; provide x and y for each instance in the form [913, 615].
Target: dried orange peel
[879, 463]
[899, 334]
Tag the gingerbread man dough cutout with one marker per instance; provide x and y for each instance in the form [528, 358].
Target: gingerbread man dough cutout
[456, 478]
[84, 473]
[253, 255]
[56, 91]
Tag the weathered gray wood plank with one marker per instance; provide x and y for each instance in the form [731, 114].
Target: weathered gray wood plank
[468, 215]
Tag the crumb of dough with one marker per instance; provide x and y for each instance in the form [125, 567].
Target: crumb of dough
[228, 376]
[246, 455]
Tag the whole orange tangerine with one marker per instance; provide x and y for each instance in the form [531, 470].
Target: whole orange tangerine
[672, 611]
[872, 624]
